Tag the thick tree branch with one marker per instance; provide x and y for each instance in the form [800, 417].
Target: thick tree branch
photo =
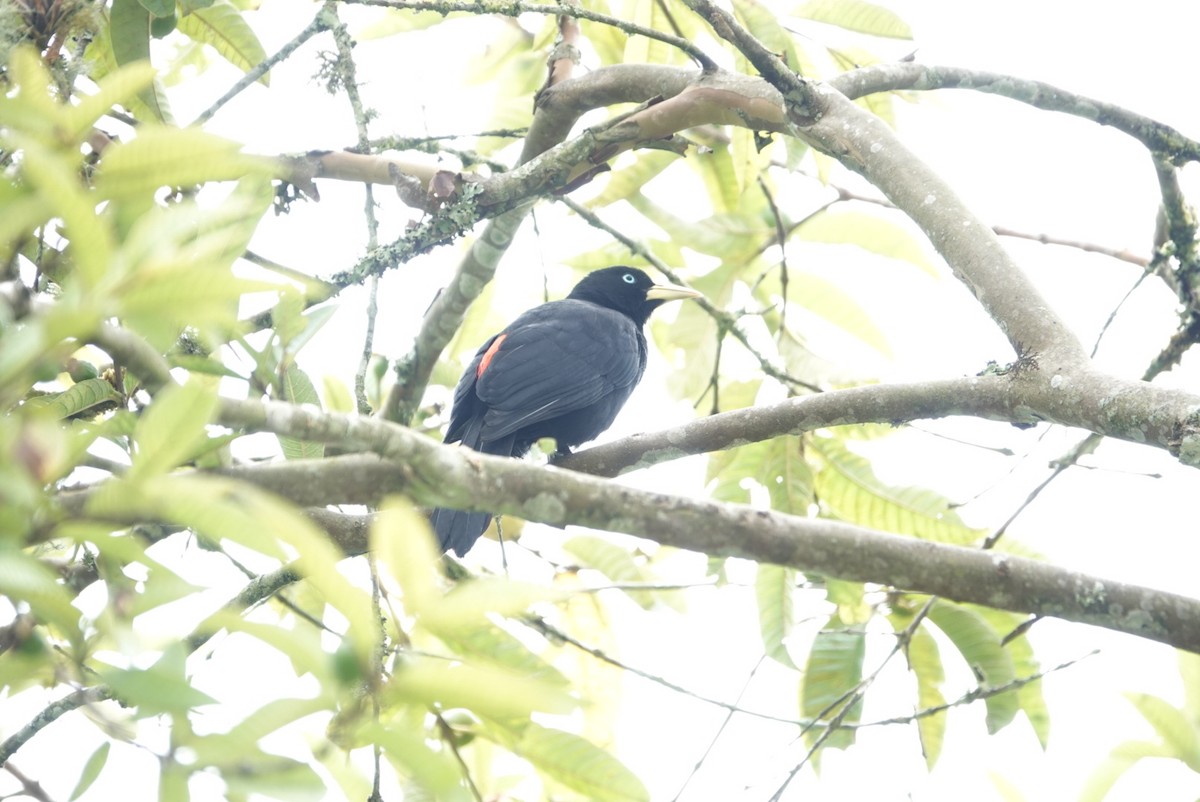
[1158, 138]
[435, 474]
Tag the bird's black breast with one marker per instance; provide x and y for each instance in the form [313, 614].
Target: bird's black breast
[563, 370]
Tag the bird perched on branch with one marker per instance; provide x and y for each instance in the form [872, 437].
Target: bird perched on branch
[563, 370]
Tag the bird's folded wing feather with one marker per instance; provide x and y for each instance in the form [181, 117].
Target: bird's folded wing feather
[557, 358]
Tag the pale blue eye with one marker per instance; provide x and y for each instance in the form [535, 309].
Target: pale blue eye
[628, 278]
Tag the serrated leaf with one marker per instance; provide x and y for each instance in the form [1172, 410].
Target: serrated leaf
[75, 399]
[91, 770]
[980, 646]
[162, 156]
[573, 761]
[222, 25]
[114, 88]
[856, 15]
[850, 491]
[774, 588]
[832, 671]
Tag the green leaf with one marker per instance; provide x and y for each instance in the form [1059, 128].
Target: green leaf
[172, 429]
[573, 761]
[469, 604]
[831, 673]
[871, 232]
[159, 8]
[856, 15]
[297, 388]
[774, 587]
[55, 180]
[488, 642]
[490, 692]
[222, 25]
[627, 181]
[850, 491]
[161, 156]
[788, 479]
[91, 770]
[129, 38]
[76, 398]
[1172, 725]
[24, 578]
[404, 548]
[162, 688]
[1025, 664]
[275, 777]
[614, 561]
[436, 773]
[925, 662]
[763, 23]
[826, 299]
[1119, 761]
[720, 178]
[980, 646]
[301, 644]
[114, 88]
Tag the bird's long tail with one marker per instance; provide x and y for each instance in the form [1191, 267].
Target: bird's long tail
[458, 530]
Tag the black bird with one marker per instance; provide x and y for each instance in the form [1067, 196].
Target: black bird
[563, 370]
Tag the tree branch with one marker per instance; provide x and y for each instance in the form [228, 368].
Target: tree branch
[440, 475]
[1158, 138]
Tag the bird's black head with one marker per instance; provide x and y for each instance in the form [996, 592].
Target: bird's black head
[627, 290]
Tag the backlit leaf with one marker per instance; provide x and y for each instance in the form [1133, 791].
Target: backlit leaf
[980, 646]
[856, 15]
[831, 674]
[573, 761]
[849, 490]
[774, 588]
[222, 25]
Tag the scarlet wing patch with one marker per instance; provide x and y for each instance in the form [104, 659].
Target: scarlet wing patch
[487, 355]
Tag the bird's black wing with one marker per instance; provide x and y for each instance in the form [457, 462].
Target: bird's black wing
[556, 358]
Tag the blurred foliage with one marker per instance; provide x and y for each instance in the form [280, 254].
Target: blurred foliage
[142, 235]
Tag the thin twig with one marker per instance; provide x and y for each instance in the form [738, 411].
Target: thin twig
[518, 8]
[319, 23]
